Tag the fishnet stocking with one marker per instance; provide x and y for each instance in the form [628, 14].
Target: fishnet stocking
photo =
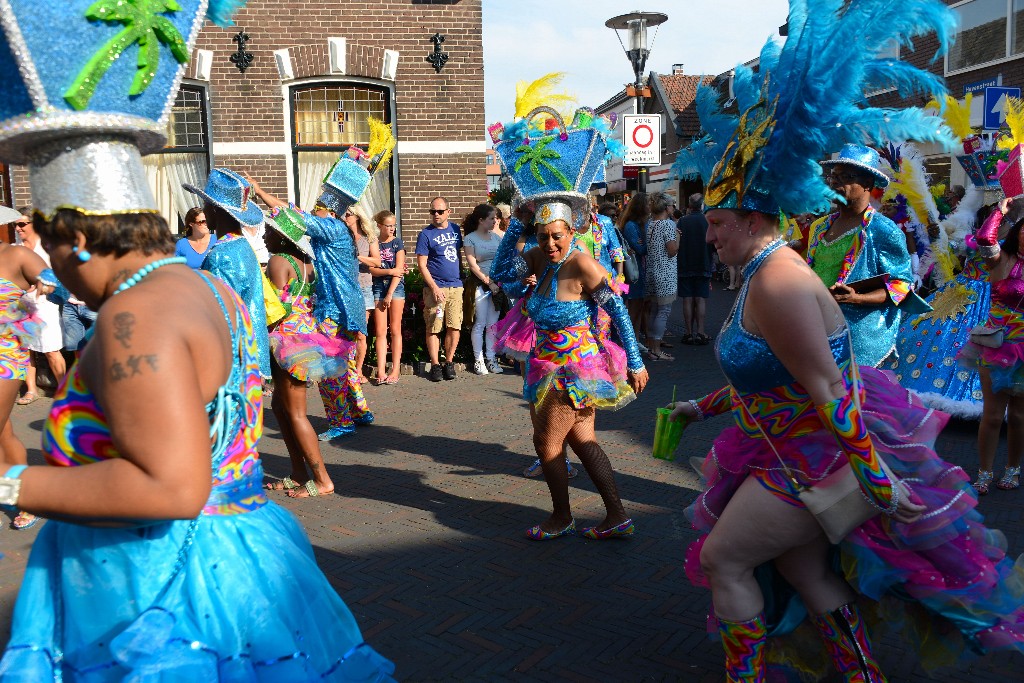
[555, 423]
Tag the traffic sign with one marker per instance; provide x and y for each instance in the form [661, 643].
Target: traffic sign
[641, 134]
[994, 109]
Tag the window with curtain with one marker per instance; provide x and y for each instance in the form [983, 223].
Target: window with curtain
[185, 159]
[327, 119]
[982, 34]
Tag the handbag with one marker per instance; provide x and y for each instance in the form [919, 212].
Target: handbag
[992, 337]
[837, 502]
[630, 264]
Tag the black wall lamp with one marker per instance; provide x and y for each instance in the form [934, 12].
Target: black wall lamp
[437, 58]
[241, 58]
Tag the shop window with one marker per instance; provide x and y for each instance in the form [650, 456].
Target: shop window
[984, 33]
[185, 159]
[326, 120]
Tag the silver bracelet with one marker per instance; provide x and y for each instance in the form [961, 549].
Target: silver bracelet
[988, 250]
[700, 413]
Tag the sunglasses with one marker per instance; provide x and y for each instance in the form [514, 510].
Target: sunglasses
[202, 222]
[438, 212]
[22, 224]
[844, 178]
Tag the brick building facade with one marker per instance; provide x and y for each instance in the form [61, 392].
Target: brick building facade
[317, 71]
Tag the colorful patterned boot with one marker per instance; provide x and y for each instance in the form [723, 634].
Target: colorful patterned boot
[744, 643]
[847, 641]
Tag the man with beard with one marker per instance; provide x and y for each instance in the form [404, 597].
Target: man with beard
[856, 244]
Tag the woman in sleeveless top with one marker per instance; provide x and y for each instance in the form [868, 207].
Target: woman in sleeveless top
[1001, 369]
[572, 369]
[20, 269]
[803, 409]
[163, 557]
[299, 354]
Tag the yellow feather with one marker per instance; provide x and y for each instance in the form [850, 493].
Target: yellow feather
[938, 190]
[382, 141]
[957, 116]
[540, 93]
[1015, 121]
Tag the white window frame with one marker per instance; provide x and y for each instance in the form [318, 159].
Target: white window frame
[1008, 57]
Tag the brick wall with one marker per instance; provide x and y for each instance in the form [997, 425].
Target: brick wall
[422, 178]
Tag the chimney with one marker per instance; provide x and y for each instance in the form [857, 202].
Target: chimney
[677, 69]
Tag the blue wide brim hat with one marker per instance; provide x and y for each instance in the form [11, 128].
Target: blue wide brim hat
[344, 185]
[231, 192]
[864, 158]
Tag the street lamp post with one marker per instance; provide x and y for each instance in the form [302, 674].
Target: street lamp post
[635, 25]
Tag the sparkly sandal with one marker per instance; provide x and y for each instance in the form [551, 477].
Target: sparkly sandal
[538, 534]
[627, 528]
[983, 481]
[286, 484]
[1010, 480]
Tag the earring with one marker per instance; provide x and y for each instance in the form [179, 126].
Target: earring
[82, 255]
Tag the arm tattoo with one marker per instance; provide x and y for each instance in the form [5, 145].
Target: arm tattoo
[123, 328]
[133, 365]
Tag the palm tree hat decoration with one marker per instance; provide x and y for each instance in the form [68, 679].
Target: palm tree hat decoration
[88, 88]
[554, 164]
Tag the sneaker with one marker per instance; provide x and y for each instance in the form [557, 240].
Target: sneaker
[448, 370]
[435, 372]
[336, 432]
[493, 367]
[365, 419]
[479, 367]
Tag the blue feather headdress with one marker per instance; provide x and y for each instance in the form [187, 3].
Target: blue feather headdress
[806, 100]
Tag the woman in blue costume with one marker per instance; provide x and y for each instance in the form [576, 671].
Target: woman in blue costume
[162, 560]
[858, 243]
[194, 561]
[804, 409]
[572, 368]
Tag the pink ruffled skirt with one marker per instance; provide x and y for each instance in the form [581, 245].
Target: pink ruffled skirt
[947, 562]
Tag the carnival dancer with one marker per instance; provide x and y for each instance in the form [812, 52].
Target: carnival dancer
[857, 243]
[181, 565]
[340, 308]
[228, 208]
[20, 269]
[571, 370]
[997, 350]
[300, 354]
[804, 410]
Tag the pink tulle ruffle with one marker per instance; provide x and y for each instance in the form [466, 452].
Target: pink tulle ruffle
[514, 334]
[311, 357]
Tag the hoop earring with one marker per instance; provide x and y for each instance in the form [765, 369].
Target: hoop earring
[82, 255]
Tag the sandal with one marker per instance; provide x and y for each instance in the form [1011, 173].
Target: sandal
[687, 339]
[533, 470]
[983, 481]
[20, 522]
[286, 484]
[538, 534]
[29, 397]
[311, 491]
[1010, 480]
[701, 339]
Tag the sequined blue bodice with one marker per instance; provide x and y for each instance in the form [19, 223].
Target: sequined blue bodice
[548, 313]
[747, 361]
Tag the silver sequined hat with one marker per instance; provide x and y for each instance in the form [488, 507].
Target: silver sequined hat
[87, 88]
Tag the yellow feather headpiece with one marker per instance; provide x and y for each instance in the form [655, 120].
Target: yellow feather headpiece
[382, 142]
[956, 115]
[1015, 121]
[540, 93]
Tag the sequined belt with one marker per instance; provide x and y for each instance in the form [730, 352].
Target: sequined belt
[238, 496]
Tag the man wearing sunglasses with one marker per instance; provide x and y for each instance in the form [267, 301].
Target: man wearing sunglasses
[438, 250]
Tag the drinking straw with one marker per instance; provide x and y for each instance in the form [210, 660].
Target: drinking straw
[673, 394]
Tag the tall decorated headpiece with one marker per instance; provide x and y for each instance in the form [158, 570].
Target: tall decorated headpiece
[289, 223]
[806, 101]
[87, 89]
[352, 173]
[553, 165]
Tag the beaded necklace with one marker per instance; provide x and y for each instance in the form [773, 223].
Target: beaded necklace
[146, 270]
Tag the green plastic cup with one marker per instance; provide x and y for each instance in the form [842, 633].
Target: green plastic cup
[667, 434]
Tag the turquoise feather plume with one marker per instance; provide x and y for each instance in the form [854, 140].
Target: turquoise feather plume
[220, 11]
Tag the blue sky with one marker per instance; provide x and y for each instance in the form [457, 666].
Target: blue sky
[525, 39]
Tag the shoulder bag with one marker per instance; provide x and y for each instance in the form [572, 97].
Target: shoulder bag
[630, 264]
[837, 502]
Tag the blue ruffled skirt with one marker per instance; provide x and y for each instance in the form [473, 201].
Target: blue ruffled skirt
[249, 605]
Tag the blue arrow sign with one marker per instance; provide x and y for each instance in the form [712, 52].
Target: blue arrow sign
[994, 109]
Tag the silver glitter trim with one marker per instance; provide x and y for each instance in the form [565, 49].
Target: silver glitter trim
[20, 135]
[22, 56]
[580, 203]
[197, 25]
[99, 174]
[586, 162]
[549, 212]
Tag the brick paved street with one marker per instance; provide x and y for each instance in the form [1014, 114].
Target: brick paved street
[425, 538]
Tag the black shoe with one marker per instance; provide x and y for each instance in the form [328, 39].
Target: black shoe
[435, 372]
[449, 370]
